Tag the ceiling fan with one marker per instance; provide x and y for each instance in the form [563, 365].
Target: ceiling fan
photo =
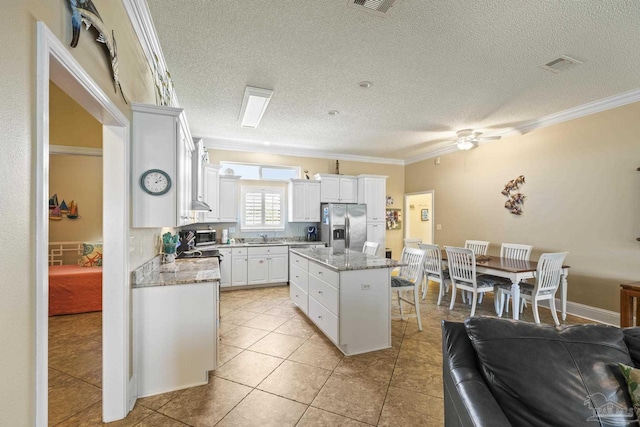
[468, 139]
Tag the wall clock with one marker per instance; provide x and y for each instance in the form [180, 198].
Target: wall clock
[155, 182]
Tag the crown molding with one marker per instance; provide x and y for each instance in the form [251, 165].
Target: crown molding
[256, 147]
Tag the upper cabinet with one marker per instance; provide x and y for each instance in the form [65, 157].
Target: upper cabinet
[372, 190]
[162, 152]
[228, 198]
[303, 200]
[337, 188]
[210, 185]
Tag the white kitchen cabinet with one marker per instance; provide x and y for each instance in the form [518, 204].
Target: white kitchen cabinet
[337, 188]
[268, 264]
[372, 191]
[303, 200]
[228, 198]
[377, 232]
[161, 140]
[351, 307]
[225, 267]
[175, 336]
[239, 266]
[210, 190]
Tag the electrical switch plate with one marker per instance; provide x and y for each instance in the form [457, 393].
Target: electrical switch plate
[232, 229]
[365, 286]
[438, 226]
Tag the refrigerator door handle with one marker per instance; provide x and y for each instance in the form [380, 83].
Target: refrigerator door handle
[347, 240]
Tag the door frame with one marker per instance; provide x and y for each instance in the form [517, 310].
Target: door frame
[433, 213]
[54, 62]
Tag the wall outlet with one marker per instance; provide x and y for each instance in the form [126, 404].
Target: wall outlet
[438, 226]
[365, 286]
[232, 229]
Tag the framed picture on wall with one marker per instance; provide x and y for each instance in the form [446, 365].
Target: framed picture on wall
[424, 214]
[394, 219]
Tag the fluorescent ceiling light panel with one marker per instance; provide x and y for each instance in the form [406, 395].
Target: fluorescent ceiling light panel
[254, 105]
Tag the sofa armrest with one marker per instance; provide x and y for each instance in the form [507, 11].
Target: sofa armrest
[467, 398]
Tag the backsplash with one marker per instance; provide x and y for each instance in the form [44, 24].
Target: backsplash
[293, 231]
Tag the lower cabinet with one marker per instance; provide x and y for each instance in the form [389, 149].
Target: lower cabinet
[376, 232]
[175, 335]
[352, 307]
[225, 267]
[239, 265]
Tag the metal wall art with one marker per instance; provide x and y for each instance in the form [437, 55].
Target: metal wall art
[515, 199]
[85, 12]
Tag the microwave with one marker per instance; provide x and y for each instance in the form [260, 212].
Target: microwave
[205, 237]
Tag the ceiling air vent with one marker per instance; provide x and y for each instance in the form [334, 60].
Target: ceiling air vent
[561, 64]
[377, 7]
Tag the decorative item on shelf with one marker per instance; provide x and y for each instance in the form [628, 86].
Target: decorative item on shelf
[394, 219]
[306, 173]
[53, 201]
[516, 200]
[73, 210]
[85, 12]
[389, 201]
[55, 214]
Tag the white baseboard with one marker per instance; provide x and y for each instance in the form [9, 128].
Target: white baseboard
[587, 312]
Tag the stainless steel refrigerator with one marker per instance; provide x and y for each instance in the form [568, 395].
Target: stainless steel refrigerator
[344, 225]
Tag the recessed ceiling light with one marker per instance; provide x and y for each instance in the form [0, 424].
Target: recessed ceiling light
[333, 112]
[365, 84]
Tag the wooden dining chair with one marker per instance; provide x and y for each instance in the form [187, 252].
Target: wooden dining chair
[370, 248]
[462, 270]
[547, 280]
[433, 270]
[412, 243]
[408, 278]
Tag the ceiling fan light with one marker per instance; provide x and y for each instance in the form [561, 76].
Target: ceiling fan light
[464, 144]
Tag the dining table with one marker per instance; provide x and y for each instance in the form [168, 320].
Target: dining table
[516, 271]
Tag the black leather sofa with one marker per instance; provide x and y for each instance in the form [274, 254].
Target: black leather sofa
[499, 372]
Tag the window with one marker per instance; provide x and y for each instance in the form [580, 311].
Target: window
[262, 208]
[262, 172]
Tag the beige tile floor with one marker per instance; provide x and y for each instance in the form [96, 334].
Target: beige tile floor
[275, 368]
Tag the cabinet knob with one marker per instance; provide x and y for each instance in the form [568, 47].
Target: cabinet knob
[320, 292]
[319, 317]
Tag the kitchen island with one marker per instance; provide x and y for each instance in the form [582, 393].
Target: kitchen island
[175, 323]
[347, 295]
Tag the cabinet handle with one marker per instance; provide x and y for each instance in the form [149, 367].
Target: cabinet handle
[320, 317]
[320, 292]
[319, 272]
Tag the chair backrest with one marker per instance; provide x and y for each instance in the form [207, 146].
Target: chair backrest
[479, 247]
[433, 260]
[370, 248]
[515, 251]
[548, 273]
[412, 243]
[414, 258]
[462, 265]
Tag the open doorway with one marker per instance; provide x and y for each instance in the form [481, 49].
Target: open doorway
[56, 64]
[419, 217]
[75, 259]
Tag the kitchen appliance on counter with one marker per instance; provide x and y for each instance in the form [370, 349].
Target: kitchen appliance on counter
[194, 239]
[344, 226]
[201, 253]
[312, 234]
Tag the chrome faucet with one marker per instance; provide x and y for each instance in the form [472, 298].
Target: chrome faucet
[264, 237]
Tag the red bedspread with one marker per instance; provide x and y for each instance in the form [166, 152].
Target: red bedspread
[74, 289]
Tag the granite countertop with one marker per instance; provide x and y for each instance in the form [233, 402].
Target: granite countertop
[180, 272]
[349, 260]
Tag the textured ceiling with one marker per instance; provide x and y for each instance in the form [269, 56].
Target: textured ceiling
[436, 67]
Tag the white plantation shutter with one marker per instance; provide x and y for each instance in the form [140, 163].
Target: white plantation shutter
[262, 208]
